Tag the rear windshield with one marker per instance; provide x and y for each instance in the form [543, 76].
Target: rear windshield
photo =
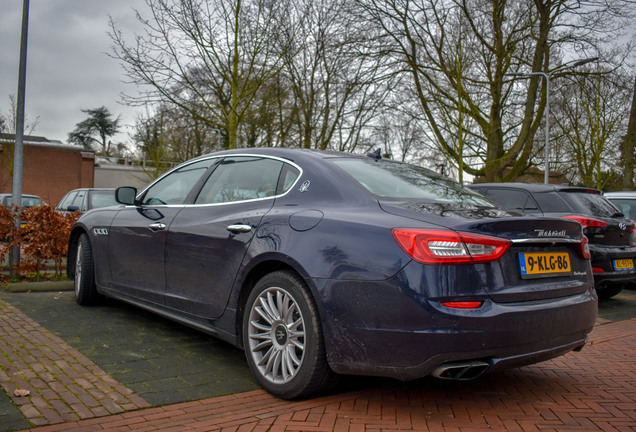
[26, 201]
[590, 204]
[388, 179]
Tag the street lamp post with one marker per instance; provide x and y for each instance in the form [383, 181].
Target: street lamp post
[546, 115]
[18, 152]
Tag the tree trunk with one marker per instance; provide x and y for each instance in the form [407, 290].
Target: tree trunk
[628, 147]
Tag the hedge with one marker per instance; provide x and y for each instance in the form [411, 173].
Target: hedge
[42, 240]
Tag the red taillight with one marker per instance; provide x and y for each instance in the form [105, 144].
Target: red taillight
[462, 304]
[586, 221]
[584, 248]
[449, 247]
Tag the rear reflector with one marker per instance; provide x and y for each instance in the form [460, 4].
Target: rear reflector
[449, 247]
[584, 248]
[462, 304]
[597, 270]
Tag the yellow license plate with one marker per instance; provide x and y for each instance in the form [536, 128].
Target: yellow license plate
[544, 264]
[624, 264]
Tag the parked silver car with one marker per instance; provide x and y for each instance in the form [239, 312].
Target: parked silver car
[85, 199]
[625, 201]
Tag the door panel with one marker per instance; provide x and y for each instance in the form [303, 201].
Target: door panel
[137, 238]
[208, 240]
[137, 243]
[203, 255]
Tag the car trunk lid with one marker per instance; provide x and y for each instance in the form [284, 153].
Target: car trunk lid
[545, 259]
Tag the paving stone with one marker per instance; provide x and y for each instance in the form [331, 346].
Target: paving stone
[591, 390]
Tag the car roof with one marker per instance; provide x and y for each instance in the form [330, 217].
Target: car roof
[621, 194]
[90, 189]
[23, 195]
[537, 187]
[283, 152]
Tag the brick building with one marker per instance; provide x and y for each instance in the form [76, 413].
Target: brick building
[50, 168]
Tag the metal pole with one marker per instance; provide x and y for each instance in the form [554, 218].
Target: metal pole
[546, 174]
[18, 153]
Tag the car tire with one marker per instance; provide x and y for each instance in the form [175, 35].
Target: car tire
[607, 291]
[84, 278]
[283, 339]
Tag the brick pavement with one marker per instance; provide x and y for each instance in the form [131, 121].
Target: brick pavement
[592, 390]
[63, 384]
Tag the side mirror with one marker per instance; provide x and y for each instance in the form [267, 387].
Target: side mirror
[72, 208]
[126, 195]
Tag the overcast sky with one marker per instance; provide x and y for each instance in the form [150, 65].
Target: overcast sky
[68, 68]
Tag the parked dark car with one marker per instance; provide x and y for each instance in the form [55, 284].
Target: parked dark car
[85, 199]
[610, 233]
[320, 264]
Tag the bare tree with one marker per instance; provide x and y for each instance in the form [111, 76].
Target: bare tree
[327, 90]
[458, 54]
[590, 125]
[208, 57]
[629, 145]
[172, 135]
[8, 120]
[8, 125]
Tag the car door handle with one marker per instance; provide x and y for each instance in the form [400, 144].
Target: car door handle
[157, 226]
[239, 228]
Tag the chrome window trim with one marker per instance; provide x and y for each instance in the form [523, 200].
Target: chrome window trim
[280, 159]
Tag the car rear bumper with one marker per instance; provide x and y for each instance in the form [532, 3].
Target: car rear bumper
[458, 365]
[604, 270]
[408, 337]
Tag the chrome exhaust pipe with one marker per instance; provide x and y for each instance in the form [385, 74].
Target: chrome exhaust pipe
[461, 370]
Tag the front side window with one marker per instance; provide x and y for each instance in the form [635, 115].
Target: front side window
[241, 178]
[67, 200]
[175, 187]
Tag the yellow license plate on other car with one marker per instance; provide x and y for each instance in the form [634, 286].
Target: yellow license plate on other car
[624, 264]
[544, 264]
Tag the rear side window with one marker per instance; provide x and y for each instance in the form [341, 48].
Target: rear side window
[102, 199]
[513, 199]
[590, 204]
[390, 179]
[80, 201]
[552, 202]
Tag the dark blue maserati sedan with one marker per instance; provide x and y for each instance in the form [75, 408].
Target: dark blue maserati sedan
[319, 264]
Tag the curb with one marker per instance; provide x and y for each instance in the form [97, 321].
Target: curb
[47, 286]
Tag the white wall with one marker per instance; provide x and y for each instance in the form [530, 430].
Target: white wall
[110, 176]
